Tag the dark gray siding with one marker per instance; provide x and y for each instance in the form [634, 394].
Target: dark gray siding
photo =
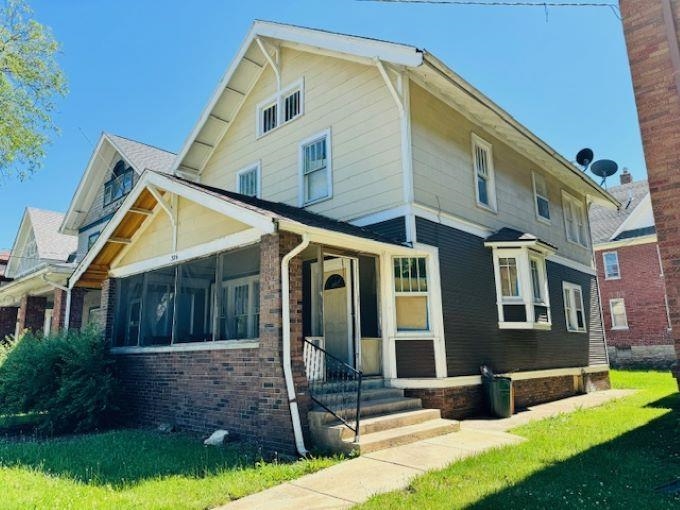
[415, 358]
[471, 317]
[394, 229]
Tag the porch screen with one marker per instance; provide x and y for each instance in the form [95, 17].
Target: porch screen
[214, 298]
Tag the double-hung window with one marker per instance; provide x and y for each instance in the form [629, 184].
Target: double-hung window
[411, 294]
[541, 199]
[617, 308]
[573, 308]
[612, 271]
[315, 169]
[521, 286]
[280, 109]
[485, 183]
[248, 181]
[574, 219]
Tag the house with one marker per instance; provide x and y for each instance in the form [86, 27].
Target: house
[631, 280]
[650, 29]
[348, 215]
[112, 171]
[8, 316]
[40, 262]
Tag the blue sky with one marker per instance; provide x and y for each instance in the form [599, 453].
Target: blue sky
[145, 69]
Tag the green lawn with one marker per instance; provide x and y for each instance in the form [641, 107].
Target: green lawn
[135, 469]
[615, 456]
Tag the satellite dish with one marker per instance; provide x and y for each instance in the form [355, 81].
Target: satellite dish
[584, 157]
[604, 168]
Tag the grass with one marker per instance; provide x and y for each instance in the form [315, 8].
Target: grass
[128, 469]
[615, 456]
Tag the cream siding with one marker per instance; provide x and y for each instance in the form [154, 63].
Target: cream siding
[195, 225]
[349, 98]
[444, 176]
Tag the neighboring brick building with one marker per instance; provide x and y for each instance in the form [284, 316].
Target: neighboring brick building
[632, 286]
[650, 28]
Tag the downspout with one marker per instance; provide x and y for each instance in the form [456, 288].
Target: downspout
[287, 367]
[67, 312]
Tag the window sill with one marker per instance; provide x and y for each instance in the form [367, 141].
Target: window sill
[487, 208]
[317, 201]
[189, 347]
[620, 328]
[576, 243]
[540, 326]
[608, 278]
[279, 126]
[545, 221]
[414, 335]
[577, 331]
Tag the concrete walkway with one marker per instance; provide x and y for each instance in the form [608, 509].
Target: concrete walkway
[354, 481]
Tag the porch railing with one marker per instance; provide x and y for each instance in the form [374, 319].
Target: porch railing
[334, 385]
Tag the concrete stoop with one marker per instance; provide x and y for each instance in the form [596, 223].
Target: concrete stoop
[387, 419]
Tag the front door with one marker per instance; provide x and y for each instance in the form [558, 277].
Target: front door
[338, 309]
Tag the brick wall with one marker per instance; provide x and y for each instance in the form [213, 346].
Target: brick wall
[657, 96]
[8, 321]
[31, 313]
[464, 401]
[242, 390]
[643, 288]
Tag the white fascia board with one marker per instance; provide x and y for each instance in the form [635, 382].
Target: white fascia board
[33, 283]
[19, 241]
[395, 53]
[631, 241]
[330, 237]
[83, 187]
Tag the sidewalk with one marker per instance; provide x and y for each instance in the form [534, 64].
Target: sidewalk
[354, 481]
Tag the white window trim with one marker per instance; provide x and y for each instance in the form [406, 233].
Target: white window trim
[329, 167]
[277, 99]
[476, 140]
[523, 256]
[428, 294]
[540, 218]
[567, 198]
[257, 166]
[612, 302]
[573, 286]
[604, 265]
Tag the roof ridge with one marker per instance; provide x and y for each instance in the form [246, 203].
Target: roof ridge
[140, 143]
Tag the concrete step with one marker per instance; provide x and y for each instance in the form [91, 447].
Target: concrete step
[373, 407]
[366, 384]
[404, 435]
[386, 422]
[367, 394]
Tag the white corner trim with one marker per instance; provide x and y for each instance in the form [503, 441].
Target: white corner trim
[220, 345]
[474, 380]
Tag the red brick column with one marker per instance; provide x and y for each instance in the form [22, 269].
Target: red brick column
[59, 310]
[651, 38]
[8, 321]
[108, 307]
[275, 418]
[31, 313]
[75, 321]
[76, 309]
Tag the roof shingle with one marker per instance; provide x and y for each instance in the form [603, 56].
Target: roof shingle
[604, 221]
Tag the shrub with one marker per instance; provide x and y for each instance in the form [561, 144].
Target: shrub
[67, 378]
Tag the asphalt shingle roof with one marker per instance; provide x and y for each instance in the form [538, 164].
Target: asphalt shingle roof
[507, 234]
[297, 214]
[604, 222]
[144, 156]
[50, 243]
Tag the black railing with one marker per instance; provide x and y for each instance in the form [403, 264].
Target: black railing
[334, 385]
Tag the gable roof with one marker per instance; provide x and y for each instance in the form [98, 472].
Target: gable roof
[255, 54]
[605, 222]
[138, 155]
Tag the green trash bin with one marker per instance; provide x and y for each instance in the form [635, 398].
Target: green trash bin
[502, 397]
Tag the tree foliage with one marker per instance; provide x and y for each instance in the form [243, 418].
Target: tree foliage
[30, 82]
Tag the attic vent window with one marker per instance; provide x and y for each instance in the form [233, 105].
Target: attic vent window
[280, 109]
[120, 183]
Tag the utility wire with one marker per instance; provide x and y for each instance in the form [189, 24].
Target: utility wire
[505, 3]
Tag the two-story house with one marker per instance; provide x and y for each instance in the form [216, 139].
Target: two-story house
[346, 204]
[112, 171]
[631, 280]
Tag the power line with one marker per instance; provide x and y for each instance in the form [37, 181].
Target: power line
[614, 8]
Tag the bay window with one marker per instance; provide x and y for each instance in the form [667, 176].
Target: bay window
[521, 285]
[203, 300]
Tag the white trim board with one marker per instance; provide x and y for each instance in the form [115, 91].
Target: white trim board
[474, 380]
[220, 345]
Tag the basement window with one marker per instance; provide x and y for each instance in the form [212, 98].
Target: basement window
[521, 288]
[280, 109]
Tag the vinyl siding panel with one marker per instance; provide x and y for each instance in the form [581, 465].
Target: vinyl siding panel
[415, 358]
[444, 178]
[394, 229]
[349, 98]
[471, 318]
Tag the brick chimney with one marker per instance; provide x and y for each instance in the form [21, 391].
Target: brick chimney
[626, 177]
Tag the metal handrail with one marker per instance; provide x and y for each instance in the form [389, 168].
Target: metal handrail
[333, 384]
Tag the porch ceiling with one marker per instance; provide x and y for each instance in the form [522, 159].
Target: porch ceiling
[98, 270]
